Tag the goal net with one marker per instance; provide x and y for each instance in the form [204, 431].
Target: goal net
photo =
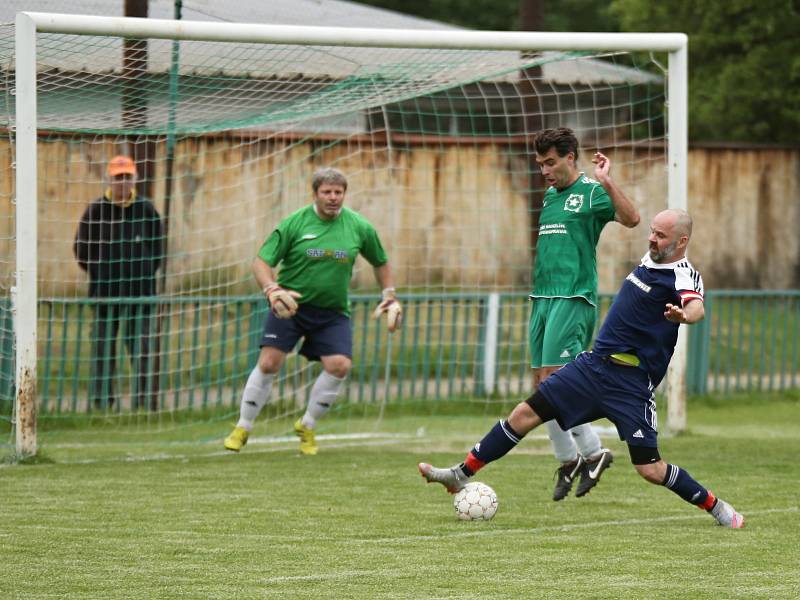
[225, 135]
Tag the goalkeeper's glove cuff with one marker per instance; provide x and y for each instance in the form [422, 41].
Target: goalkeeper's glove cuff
[282, 302]
[391, 306]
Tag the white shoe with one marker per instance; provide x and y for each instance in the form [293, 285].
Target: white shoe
[453, 479]
[726, 515]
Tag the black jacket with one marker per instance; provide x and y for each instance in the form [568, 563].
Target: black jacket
[120, 247]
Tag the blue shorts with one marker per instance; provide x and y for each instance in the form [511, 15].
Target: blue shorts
[592, 387]
[325, 332]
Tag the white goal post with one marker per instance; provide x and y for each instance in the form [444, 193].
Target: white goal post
[24, 294]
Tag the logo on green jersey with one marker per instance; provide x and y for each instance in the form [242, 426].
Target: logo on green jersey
[325, 254]
[574, 203]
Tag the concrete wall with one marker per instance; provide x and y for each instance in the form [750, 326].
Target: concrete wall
[452, 215]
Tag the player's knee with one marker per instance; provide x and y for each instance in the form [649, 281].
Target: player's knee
[524, 417]
[270, 361]
[648, 463]
[541, 407]
[338, 366]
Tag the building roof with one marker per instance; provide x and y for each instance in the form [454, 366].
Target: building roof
[333, 13]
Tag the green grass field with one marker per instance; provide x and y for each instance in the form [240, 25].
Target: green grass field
[156, 516]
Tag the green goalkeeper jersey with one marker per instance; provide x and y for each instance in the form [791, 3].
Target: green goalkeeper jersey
[569, 228]
[316, 257]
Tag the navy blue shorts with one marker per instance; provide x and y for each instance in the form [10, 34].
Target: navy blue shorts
[325, 332]
[592, 387]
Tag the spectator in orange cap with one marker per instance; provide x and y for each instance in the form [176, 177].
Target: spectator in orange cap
[119, 243]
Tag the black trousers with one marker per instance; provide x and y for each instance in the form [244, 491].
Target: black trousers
[135, 321]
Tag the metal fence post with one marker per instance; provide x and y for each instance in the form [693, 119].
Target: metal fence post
[490, 324]
[699, 343]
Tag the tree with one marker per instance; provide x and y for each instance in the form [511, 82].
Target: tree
[503, 15]
[744, 56]
[744, 64]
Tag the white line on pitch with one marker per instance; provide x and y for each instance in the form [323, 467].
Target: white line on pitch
[437, 536]
[263, 450]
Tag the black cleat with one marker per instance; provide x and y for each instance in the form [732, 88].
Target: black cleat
[565, 475]
[592, 469]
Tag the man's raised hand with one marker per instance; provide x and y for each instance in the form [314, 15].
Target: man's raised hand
[601, 166]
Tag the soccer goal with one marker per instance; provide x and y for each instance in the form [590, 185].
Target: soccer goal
[226, 123]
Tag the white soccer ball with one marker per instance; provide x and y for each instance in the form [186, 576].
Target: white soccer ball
[476, 501]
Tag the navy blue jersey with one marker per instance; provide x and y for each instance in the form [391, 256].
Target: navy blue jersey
[635, 322]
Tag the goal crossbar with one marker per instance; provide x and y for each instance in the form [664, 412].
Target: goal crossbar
[351, 36]
[28, 24]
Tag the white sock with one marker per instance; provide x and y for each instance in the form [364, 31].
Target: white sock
[587, 440]
[255, 396]
[563, 445]
[323, 395]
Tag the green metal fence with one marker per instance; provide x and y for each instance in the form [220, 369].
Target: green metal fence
[208, 345]
[748, 341]
[450, 345]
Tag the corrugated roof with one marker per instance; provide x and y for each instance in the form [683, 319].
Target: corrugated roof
[336, 63]
[332, 13]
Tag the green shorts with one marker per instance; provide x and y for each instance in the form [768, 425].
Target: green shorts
[559, 329]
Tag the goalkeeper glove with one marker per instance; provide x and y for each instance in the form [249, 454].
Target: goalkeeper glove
[390, 305]
[281, 301]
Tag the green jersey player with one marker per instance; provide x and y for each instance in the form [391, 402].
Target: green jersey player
[564, 311]
[316, 248]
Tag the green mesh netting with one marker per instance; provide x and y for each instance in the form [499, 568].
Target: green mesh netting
[436, 147]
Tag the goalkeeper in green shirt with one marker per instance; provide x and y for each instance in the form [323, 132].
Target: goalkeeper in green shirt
[575, 210]
[316, 248]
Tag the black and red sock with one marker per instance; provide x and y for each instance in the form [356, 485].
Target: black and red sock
[500, 440]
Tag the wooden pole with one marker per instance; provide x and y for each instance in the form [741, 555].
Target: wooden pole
[134, 102]
[531, 18]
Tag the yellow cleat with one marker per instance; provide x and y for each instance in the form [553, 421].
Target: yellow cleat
[308, 443]
[236, 439]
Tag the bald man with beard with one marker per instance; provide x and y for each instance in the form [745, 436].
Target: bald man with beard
[617, 379]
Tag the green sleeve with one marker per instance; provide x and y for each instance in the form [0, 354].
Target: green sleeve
[601, 204]
[371, 247]
[275, 247]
